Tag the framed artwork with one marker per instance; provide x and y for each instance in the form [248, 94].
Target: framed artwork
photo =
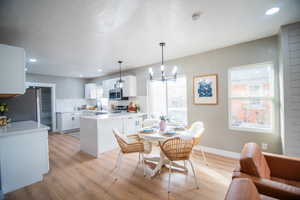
[205, 89]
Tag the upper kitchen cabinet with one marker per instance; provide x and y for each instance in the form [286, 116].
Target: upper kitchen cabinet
[129, 88]
[93, 91]
[90, 91]
[12, 76]
[107, 85]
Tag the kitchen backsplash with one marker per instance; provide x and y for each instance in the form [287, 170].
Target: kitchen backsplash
[69, 105]
[140, 100]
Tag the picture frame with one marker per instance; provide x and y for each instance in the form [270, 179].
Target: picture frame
[205, 89]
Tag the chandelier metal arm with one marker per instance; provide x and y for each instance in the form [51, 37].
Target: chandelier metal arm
[162, 68]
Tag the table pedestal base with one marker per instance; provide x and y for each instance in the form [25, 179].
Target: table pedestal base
[162, 161]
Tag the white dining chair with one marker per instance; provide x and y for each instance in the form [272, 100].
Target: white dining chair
[129, 144]
[196, 131]
[178, 149]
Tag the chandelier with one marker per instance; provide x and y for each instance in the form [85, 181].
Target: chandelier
[163, 76]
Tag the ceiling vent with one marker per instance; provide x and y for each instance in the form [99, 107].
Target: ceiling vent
[196, 16]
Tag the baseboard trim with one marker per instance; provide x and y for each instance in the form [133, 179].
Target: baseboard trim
[220, 152]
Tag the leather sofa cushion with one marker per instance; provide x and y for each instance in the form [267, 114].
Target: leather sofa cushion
[242, 189]
[253, 162]
[288, 182]
[264, 197]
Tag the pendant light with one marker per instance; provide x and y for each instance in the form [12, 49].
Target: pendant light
[163, 77]
[120, 82]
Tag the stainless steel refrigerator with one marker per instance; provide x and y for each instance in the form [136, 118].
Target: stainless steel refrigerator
[34, 105]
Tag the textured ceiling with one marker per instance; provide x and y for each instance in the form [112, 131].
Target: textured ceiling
[73, 37]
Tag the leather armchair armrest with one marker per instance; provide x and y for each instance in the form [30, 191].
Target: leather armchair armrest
[283, 166]
[272, 188]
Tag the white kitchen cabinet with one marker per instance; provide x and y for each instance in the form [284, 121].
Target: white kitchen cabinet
[90, 91]
[68, 121]
[129, 89]
[23, 155]
[107, 85]
[131, 125]
[12, 76]
[96, 135]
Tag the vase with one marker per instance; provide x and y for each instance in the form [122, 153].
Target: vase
[162, 125]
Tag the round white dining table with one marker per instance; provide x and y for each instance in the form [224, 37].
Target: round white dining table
[154, 138]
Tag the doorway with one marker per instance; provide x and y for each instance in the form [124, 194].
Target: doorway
[45, 93]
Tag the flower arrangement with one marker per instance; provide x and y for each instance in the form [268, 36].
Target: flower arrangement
[163, 118]
[163, 123]
[3, 108]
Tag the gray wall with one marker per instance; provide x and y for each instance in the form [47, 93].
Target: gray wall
[215, 117]
[66, 87]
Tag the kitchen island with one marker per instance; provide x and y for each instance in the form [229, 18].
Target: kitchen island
[96, 134]
[23, 154]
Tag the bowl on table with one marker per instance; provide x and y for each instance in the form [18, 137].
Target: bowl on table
[147, 130]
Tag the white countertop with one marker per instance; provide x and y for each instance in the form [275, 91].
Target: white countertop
[113, 115]
[23, 127]
[79, 111]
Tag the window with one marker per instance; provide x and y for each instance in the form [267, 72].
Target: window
[168, 98]
[251, 98]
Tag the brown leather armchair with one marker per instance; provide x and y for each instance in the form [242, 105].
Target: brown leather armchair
[244, 189]
[273, 175]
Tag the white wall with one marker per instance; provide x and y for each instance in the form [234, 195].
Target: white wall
[66, 87]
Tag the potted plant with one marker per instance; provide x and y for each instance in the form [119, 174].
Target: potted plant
[3, 109]
[163, 123]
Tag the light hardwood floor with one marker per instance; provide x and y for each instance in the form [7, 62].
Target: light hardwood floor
[78, 176]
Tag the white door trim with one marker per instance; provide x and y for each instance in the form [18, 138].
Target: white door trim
[53, 98]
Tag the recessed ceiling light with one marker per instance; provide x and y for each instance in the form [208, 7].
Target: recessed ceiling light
[80, 75]
[32, 60]
[99, 70]
[272, 11]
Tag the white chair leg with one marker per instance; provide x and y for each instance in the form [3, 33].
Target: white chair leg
[195, 178]
[139, 157]
[204, 157]
[143, 163]
[185, 168]
[170, 172]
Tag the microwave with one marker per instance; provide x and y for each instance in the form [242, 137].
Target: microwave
[116, 94]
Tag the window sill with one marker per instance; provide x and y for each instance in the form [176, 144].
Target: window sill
[250, 130]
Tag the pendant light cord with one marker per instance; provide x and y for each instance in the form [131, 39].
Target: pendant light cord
[120, 62]
[162, 54]
[162, 44]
